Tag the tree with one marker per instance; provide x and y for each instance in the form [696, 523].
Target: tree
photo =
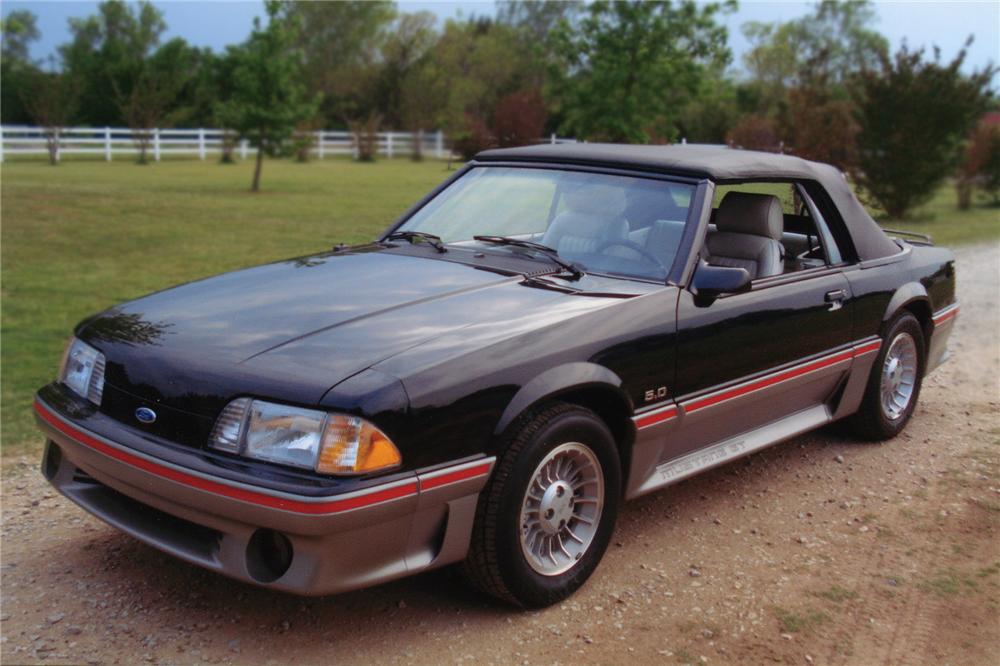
[340, 42]
[106, 56]
[831, 44]
[914, 115]
[50, 99]
[154, 89]
[17, 71]
[626, 71]
[799, 74]
[268, 98]
[403, 52]
[20, 29]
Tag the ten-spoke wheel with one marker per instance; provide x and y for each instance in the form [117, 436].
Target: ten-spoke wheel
[899, 375]
[544, 520]
[561, 509]
[894, 384]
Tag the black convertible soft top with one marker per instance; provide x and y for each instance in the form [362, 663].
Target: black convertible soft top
[722, 165]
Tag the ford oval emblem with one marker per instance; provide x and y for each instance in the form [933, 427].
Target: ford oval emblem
[145, 415]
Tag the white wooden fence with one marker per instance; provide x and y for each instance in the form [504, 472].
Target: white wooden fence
[109, 142]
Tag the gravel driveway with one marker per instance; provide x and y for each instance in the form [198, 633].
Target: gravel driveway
[820, 550]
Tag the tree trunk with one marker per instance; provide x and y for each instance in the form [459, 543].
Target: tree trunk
[255, 187]
[964, 188]
[418, 146]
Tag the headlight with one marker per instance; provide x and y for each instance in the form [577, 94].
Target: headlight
[83, 370]
[312, 439]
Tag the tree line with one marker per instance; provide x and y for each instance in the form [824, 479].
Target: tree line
[824, 86]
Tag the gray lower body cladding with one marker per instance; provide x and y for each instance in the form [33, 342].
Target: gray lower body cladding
[300, 545]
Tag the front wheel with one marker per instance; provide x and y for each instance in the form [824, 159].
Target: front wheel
[894, 384]
[546, 517]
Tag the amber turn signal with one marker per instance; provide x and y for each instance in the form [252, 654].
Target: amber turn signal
[352, 445]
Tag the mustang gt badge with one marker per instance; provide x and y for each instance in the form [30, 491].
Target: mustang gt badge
[145, 415]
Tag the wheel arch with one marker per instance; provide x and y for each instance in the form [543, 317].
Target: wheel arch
[587, 385]
[912, 297]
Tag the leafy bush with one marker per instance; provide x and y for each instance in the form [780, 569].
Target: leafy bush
[755, 132]
[519, 119]
[980, 166]
[822, 128]
[474, 137]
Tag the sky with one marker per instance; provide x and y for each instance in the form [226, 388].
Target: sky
[217, 23]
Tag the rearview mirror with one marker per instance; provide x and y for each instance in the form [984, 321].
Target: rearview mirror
[710, 282]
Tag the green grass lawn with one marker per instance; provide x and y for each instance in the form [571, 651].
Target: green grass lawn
[82, 236]
[941, 219]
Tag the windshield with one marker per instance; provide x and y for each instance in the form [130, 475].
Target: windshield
[618, 225]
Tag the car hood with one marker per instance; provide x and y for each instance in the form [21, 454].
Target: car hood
[293, 329]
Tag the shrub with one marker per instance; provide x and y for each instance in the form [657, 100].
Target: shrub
[980, 166]
[474, 137]
[755, 132]
[519, 118]
[822, 129]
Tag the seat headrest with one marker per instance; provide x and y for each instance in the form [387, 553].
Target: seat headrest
[596, 199]
[754, 214]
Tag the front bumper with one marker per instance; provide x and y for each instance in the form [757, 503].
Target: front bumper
[331, 543]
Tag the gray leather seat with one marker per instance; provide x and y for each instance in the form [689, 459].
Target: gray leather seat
[748, 234]
[593, 215]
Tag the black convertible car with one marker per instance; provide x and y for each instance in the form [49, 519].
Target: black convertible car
[551, 331]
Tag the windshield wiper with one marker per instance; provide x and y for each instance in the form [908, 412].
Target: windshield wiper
[430, 239]
[550, 252]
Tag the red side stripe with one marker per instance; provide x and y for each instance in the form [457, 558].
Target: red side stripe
[653, 419]
[769, 381]
[333, 506]
[460, 475]
[945, 316]
[875, 345]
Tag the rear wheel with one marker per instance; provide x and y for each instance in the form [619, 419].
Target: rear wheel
[546, 517]
[894, 384]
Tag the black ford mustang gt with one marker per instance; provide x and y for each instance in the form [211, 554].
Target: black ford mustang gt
[553, 330]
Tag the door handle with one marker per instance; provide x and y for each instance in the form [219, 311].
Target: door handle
[835, 298]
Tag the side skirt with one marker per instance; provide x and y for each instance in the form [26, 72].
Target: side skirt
[723, 452]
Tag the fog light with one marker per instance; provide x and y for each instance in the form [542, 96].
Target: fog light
[269, 554]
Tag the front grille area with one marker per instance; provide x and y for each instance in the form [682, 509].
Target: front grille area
[171, 424]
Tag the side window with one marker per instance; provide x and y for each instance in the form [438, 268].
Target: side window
[742, 236]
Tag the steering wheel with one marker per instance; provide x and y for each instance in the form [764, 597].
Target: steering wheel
[635, 247]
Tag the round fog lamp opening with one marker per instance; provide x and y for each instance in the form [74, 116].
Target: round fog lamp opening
[269, 554]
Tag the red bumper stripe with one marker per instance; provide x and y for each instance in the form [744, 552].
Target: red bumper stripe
[454, 477]
[945, 315]
[370, 498]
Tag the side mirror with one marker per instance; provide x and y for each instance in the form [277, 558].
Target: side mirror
[710, 282]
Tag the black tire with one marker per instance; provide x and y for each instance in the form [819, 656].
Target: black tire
[871, 421]
[496, 563]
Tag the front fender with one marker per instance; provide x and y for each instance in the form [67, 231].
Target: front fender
[558, 380]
